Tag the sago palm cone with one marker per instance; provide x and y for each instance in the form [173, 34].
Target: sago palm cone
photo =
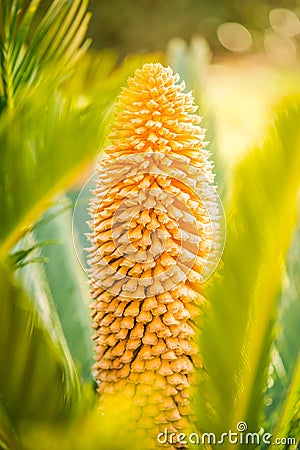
[152, 238]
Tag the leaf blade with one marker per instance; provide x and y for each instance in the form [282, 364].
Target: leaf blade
[34, 379]
[237, 335]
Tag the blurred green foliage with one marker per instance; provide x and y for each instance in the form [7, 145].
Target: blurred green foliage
[70, 293]
[148, 25]
[236, 339]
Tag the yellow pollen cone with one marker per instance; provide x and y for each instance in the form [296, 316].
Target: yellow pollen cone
[152, 238]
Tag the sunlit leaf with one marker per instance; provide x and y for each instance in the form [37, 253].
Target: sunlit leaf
[237, 336]
[24, 53]
[8, 436]
[55, 137]
[69, 288]
[36, 380]
[286, 347]
[289, 421]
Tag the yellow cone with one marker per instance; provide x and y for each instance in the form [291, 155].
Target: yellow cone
[152, 232]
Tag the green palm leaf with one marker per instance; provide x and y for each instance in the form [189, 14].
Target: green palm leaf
[8, 436]
[286, 348]
[24, 55]
[54, 139]
[50, 144]
[36, 379]
[289, 421]
[237, 335]
[69, 288]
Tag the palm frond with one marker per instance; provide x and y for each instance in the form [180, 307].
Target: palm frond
[8, 436]
[286, 348]
[289, 420]
[56, 135]
[47, 155]
[68, 281]
[19, 258]
[237, 335]
[36, 378]
[24, 54]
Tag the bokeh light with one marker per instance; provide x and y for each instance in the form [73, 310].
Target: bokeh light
[284, 22]
[234, 37]
[279, 48]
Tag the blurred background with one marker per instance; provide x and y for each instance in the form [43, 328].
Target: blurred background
[231, 27]
[245, 54]
[240, 58]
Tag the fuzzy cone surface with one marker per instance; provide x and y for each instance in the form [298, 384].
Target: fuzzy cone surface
[154, 215]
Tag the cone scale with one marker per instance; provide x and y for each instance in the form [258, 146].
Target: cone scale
[153, 219]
